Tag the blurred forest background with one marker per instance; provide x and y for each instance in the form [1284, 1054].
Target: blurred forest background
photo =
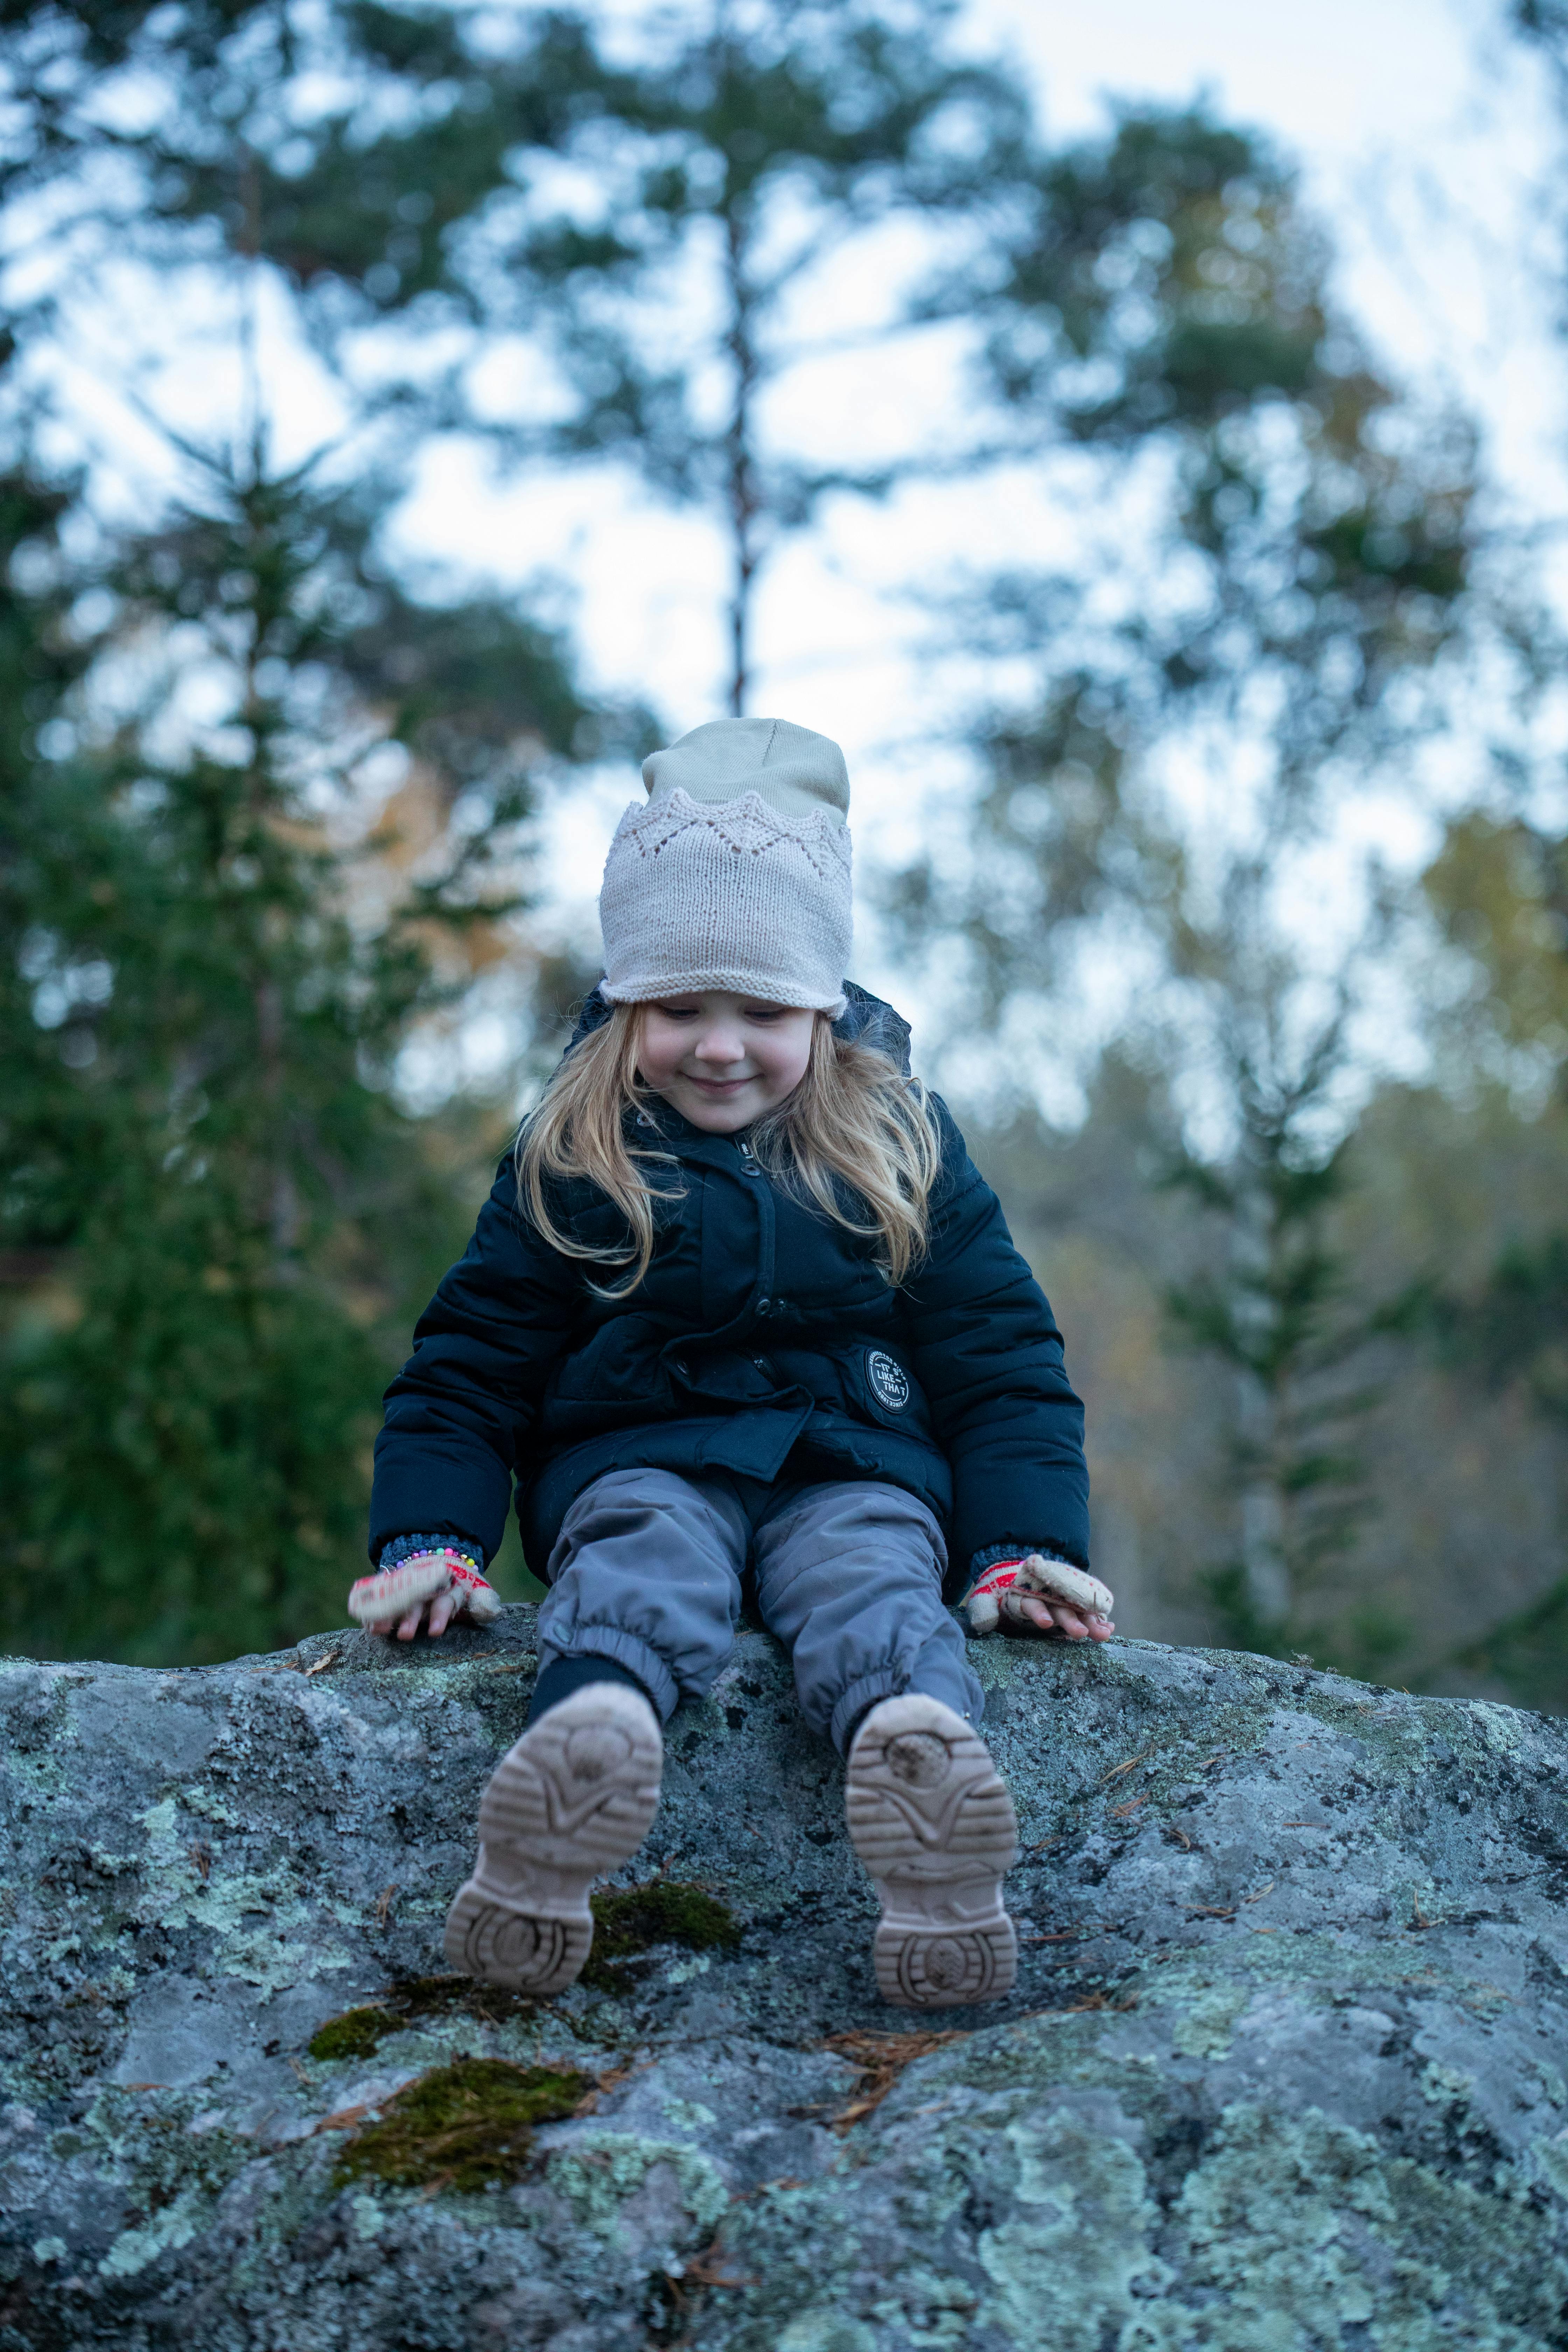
[1282, 1122]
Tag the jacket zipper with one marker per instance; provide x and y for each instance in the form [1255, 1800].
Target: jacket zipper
[763, 1198]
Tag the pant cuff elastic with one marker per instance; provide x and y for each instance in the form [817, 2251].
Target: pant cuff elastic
[886, 1682]
[562, 1678]
[961, 1691]
[627, 1649]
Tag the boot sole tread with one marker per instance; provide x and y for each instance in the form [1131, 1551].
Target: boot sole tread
[936, 1845]
[573, 1799]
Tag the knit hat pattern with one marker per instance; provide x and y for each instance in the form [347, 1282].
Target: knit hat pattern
[735, 894]
[795, 769]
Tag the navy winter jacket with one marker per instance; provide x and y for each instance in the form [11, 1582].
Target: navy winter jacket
[762, 1340]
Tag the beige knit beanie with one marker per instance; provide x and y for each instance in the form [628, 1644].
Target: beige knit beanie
[736, 873]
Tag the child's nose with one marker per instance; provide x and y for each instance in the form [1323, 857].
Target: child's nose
[720, 1045]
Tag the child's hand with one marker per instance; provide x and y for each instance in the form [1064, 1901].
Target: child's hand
[1042, 1597]
[430, 1589]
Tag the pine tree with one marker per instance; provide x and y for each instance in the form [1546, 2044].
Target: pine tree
[218, 1210]
[1282, 629]
[715, 169]
[42, 657]
[1274, 1308]
[1499, 892]
[228, 1216]
[1163, 317]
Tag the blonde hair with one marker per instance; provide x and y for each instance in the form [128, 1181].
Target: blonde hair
[855, 1137]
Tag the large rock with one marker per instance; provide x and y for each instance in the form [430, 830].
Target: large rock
[1284, 2066]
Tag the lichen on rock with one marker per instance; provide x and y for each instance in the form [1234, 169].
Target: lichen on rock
[1283, 2067]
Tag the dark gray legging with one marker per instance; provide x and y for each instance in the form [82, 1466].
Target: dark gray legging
[646, 1571]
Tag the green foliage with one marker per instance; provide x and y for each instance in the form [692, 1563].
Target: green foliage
[1513, 1328]
[1528, 1653]
[1309, 567]
[217, 1218]
[1278, 630]
[1274, 1306]
[41, 657]
[1167, 280]
[1361, 1642]
[1546, 21]
[225, 1217]
[1156, 223]
[217, 1214]
[1498, 890]
[1265, 1316]
[463, 2127]
[1228, 1589]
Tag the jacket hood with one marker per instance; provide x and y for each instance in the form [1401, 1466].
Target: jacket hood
[865, 1018]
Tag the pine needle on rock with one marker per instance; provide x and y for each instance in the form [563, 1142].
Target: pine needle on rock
[881, 2058]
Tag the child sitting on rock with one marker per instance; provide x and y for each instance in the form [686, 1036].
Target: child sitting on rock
[738, 1303]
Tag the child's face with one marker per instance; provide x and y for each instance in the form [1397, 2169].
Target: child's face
[720, 1060]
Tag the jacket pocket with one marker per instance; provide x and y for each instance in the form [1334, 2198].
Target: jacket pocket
[866, 1381]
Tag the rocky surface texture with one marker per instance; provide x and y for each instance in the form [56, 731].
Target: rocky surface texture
[1284, 2068]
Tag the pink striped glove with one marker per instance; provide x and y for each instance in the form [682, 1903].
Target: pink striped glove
[392, 1592]
[994, 1598]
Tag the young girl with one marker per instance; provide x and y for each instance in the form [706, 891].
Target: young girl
[739, 1302]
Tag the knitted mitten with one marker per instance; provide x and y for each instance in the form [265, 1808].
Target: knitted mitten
[410, 1582]
[993, 1598]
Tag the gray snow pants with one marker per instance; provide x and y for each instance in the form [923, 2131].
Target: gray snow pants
[647, 1568]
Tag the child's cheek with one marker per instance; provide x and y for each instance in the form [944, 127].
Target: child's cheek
[655, 1058]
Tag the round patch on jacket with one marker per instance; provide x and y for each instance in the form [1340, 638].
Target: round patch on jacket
[889, 1381]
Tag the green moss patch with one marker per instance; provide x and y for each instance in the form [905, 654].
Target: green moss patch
[358, 2034]
[419, 1998]
[628, 1921]
[355, 2034]
[464, 2126]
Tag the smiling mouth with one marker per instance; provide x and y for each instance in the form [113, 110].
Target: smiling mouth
[719, 1086]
